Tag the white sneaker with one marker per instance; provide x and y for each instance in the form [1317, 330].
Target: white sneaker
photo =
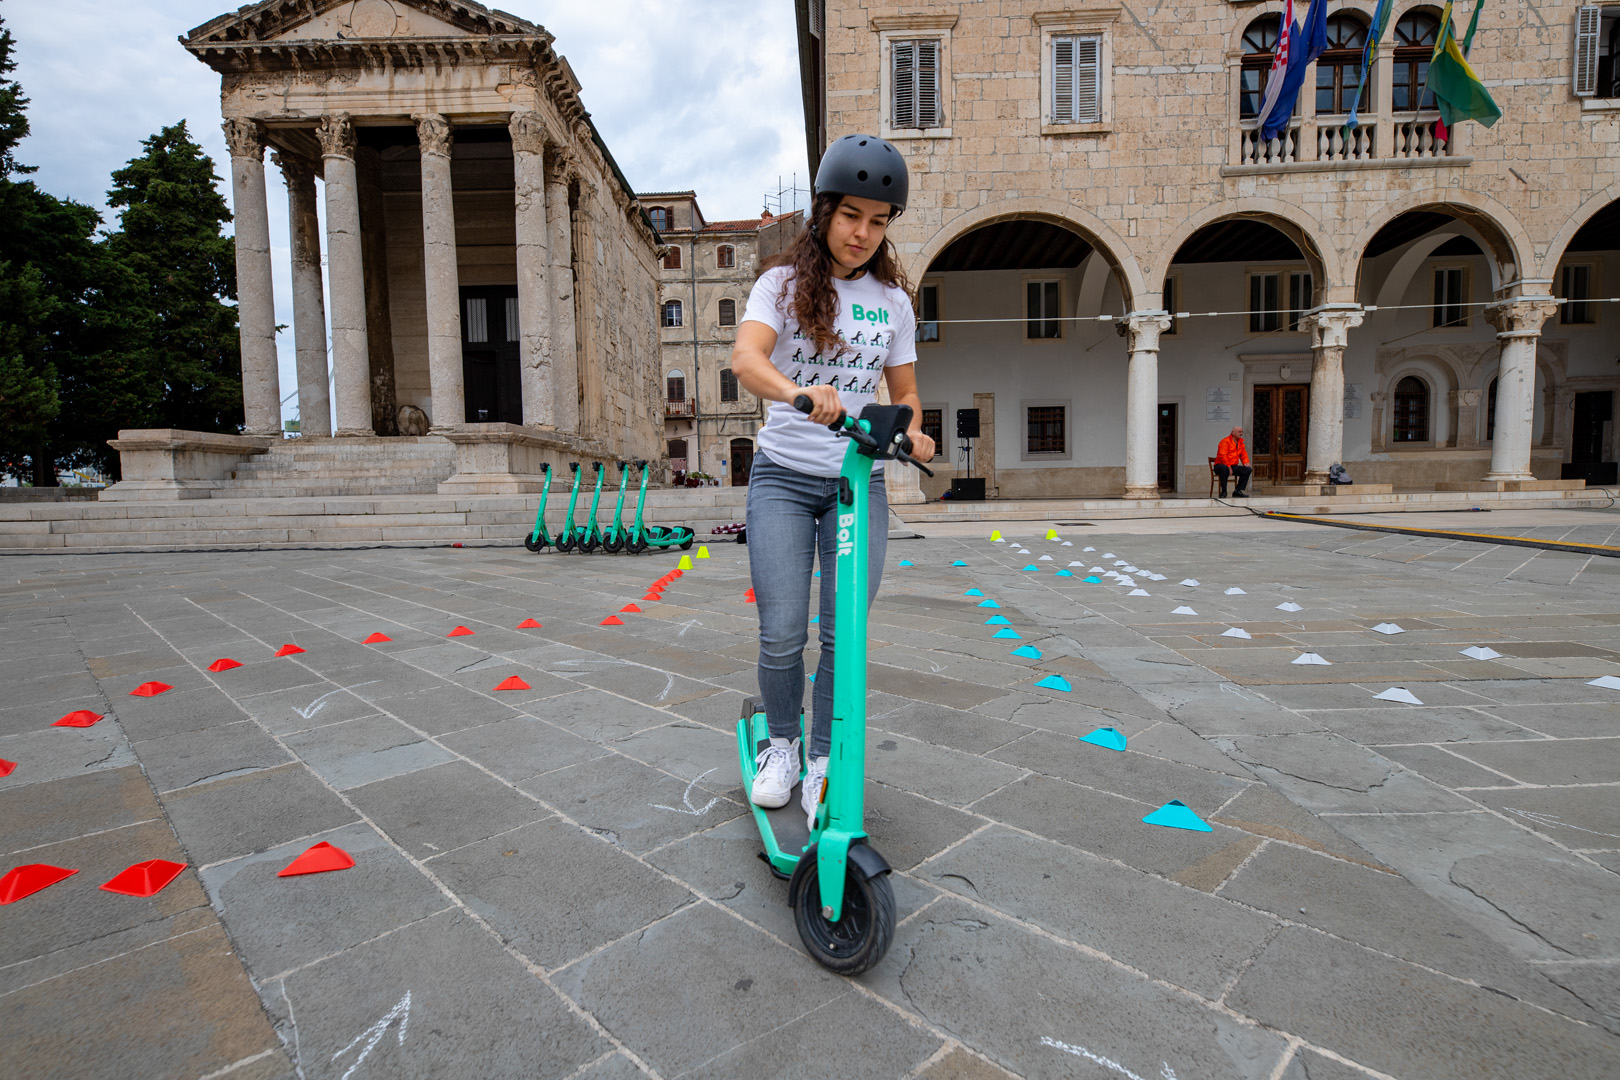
[814, 776]
[778, 766]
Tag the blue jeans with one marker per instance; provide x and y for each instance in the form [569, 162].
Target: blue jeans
[792, 516]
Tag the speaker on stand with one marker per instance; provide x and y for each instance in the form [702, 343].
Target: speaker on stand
[967, 429]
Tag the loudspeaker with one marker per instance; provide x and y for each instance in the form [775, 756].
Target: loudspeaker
[967, 424]
[967, 488]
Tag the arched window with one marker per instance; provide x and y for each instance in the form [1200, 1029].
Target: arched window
[1490, 412]
[672, 313]
[675, 385]
[1411, 410]
[725, 256]
[1259, 45]
[672, 259]
[1338, 69]
[728, 313]
[728, 385]
[660, 217]
[1415, 35]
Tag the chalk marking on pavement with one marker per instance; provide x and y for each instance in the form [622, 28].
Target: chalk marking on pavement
[669, 684]
[401, 1012]
[309, 711]
[1228, 688]
[686, 797]
[687, 625]
[1166, 1073]
[1543, 818]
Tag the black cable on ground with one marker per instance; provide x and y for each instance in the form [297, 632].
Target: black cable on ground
[1605, 550]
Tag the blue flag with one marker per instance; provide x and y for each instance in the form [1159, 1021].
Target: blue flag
[1310, 46]
[1374, 35]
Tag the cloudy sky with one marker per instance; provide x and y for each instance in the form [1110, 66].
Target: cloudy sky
[697, 94]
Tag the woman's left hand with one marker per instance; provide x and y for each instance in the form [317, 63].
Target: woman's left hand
[922, 447]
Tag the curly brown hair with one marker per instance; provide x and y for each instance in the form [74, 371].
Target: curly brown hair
[814, 299]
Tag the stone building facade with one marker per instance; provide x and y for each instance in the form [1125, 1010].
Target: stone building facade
[493, 280]
[709, 268]
[1428, 308]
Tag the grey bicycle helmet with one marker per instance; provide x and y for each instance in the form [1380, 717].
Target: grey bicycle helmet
[867, 167]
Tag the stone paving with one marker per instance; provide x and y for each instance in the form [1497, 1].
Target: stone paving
[563, 882]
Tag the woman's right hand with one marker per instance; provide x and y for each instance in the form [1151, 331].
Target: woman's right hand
[828, 407]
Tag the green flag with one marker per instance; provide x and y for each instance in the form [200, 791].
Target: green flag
[1457, 90]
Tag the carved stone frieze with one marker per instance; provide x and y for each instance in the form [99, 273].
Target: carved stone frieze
[336, 133]
[433, 133]
[246, 138]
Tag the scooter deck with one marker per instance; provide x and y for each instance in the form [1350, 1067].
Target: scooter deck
[784, 831]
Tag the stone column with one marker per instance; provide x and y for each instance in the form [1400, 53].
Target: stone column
[309, 305]
[564, 333]
[351, 354]
[1330, 331]
[533, 269]
[255, 297]
[443, 277]
[1142, 331]
[1518, 325]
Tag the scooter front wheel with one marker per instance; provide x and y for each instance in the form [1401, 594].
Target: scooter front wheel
[588, 544]
[534, 543]
[613, 543]
[565, 542]
[858, 940]
[686, 545]
[638, 544]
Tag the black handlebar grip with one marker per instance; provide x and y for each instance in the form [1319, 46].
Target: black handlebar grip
[641, 463]
[574, 466]
[804, 404]
[598, 465]
[545, 466]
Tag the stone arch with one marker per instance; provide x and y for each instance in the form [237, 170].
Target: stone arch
[1507, 245]
[1104, 240]
[1442, 378]
[1588, 210]
[1285, 217]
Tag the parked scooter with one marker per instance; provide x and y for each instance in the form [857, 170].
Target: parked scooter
[566, 533]
[643, 536]
[538, 539]
[590, 534]
[842, 902]
[615, 535]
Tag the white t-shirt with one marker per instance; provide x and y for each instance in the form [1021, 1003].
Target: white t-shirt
[877, 325]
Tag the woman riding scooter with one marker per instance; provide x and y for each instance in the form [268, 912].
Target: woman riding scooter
[827, 320]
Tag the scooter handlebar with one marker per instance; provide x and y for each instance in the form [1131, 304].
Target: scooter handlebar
[844, 426]
[806, 406]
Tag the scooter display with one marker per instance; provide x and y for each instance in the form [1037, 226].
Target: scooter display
[567, 532]
[842, 901]
[615, 535]
[538, 539]
[643, 536]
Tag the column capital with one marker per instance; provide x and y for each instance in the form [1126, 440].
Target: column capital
[336, 133]
[1521, 316]
[561, 164]
[433, 133]
[1142, 329]
[295, 168]
[246, 138]
[530, 135]
[1330, 326]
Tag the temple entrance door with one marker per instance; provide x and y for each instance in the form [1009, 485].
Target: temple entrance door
[1167, 447]
[1277, 433]
[489, 354]
[742, 461]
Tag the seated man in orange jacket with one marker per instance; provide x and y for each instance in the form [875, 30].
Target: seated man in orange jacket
[1232, 459]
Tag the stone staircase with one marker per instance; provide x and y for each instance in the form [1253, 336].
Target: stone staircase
[323, 468]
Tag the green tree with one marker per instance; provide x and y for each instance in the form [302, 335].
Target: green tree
[13, 110]
[183, 268]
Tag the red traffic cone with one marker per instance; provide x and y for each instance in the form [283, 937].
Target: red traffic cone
[224, 663]
[749, 596]
[6, 766]
[145, 878]
[28, 879]
[612, 620]
[512, 682]
[377, 639]
[653, 598]
[149, 689]
[460, 631]
[631, 607]
[528, 624]
[677, 573]
[318, 860]
[78, 718]
[288, 650]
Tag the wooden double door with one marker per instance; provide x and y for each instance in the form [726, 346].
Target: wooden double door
[491, 378]
[1276, 435]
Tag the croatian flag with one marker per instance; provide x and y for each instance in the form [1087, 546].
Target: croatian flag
[1279, 64]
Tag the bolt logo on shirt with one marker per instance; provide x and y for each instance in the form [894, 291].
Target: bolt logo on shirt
[866, 314]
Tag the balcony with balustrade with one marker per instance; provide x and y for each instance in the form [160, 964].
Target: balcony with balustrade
[682, 408]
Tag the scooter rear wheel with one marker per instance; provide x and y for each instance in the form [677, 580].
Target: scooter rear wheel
[686, 545]
[565, 542]
[589, 544]
[858, 940]
[638, 545]
[613, 543]
[534, 544]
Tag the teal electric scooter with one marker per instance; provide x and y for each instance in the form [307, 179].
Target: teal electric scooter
[590, 534]
[615, 535]
[838, 883]
[567, 531]
[538, 539]
[643, 536]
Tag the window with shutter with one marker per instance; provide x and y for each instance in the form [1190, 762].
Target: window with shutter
[1588, 22]
[928, 84]
[905, 84]
[728, 313]
[915, 73]
[1088, 80]
[1063, 81]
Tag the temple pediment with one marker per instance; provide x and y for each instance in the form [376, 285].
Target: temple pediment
[273, 23]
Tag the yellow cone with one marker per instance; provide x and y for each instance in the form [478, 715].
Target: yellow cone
[685, 563]
[703, 553]
[1051, 534]
[995, 534]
